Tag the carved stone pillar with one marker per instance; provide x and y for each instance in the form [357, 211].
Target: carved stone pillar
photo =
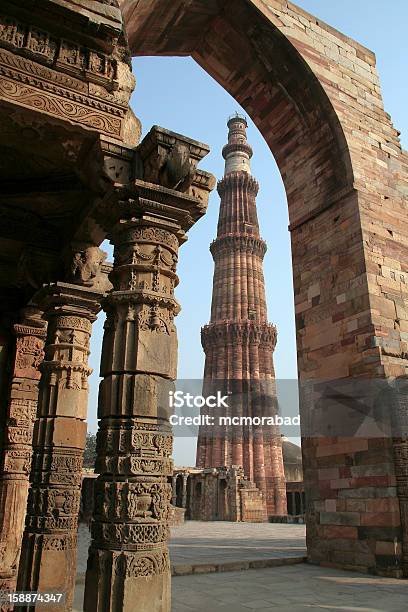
[174, 491]
[16, 462]
[5, 342]
[184, 494]
[128, 565]
[48, 558]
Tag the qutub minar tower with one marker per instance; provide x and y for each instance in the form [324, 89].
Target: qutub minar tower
[239, 342]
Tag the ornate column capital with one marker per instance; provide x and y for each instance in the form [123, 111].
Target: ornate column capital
[170, 160]
[165, 183]
[62, 298]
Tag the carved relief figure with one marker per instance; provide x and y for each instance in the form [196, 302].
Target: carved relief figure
[38, 41]
[97, 63]
[86, 265]
[29, 352]
[177, 172]
[7, 30]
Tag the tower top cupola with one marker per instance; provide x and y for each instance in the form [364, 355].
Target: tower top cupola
[237, 153]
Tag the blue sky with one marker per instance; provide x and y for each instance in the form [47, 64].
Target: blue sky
[177, 94]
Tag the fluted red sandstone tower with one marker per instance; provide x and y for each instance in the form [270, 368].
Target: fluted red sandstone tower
[239, 342]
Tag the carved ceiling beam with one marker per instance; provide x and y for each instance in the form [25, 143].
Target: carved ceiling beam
[75, 69]
[100, 21]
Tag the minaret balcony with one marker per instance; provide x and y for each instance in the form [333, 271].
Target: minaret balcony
[238, 180]
[242, 243]
[237, 147]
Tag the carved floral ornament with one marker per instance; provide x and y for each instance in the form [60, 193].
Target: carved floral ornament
[55, 104]
[141, 565]
[152, 235]
[73, 323]
[140, 536]
[135, 501]
[155, 315]
[162, 444]
[144, 437]
[58, 502]
[22, 411]
[140, 465]
[17, 461]
[59, 542]
[134, 564]
[153, 319]
[41, 522]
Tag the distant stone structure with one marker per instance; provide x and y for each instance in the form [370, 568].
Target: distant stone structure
[219, 494]
[226, 494]
[239, 342]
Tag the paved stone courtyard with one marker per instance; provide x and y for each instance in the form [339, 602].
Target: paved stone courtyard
[292, 589]
[288, 588]
[197, 542]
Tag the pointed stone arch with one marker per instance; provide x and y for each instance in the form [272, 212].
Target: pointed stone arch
[315, 96]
